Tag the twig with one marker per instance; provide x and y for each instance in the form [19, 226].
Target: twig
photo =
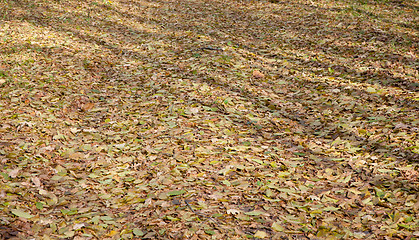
[201, 215]
[212, 48]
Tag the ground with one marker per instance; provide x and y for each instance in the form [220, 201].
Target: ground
[209, 119]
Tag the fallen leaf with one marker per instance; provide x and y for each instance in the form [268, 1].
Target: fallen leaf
[14, 173]
[36, 181]
[371, 90]
[260, 234]
[78, 226]
[254, 213]
[233, 211]
[21, 213]
[87, 106]
[176, 192]
[277, 227]
[257, 74]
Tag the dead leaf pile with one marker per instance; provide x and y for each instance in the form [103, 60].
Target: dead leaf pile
[209, 119]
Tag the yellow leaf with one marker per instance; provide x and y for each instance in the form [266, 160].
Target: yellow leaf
[112, 233]
[371, 90]
[260, 234]
[277, 227]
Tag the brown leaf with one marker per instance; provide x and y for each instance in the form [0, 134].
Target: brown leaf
[87, 106]
[257, 74]
[36, 181]
[14, 173]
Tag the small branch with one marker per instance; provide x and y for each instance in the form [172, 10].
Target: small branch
[201, 215]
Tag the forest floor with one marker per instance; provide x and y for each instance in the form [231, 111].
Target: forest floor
[209, 119]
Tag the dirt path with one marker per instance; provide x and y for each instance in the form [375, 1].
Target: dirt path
[209, 119]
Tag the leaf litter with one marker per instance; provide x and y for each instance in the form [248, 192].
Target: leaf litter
[209, 119]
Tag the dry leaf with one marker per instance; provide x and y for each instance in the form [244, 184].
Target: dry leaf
[14, 173]
[36, 181]
[260, 234]
[87, 106]
[233, 211]
[78, 226]
[257, 74]
[120, 127]
[277, 227]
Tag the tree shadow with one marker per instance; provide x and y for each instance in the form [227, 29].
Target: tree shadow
[127, 34]
[270, 50]
[355, 7]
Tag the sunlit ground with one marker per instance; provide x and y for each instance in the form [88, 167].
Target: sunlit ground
[209, 119]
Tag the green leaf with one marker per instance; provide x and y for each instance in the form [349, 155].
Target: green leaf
[39, 205]
[69, 234]
[258, 161]
[371, 90]
[226, 182]
[129, 179]
[176, 192]
[331, 209]
[21, 213]
[138, 232]
[254, 213]
[172, 218]
[286, 190]
[106, 218]
[95, 219]
[5, 175]
[171, 124]
[277, 227]
[93, 175]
